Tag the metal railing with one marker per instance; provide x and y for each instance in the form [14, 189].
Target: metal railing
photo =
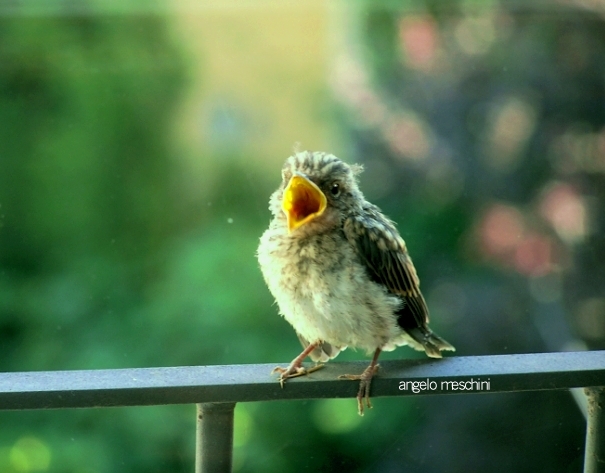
[216, 390]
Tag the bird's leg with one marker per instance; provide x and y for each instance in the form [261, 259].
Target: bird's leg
[365, 379]
[296, 369]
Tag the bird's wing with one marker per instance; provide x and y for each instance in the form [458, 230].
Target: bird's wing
[385, 255]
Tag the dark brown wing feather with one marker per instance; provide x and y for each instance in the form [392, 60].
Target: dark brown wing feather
[385, 255]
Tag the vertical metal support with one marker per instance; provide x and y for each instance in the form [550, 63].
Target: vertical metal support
[214, 437]
[594, 454]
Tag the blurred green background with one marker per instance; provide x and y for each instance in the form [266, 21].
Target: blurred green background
[139, 144]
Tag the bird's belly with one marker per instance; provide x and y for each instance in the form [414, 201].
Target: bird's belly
[324, 292]
[342, 308]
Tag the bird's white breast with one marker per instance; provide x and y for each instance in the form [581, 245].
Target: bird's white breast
[323, 290]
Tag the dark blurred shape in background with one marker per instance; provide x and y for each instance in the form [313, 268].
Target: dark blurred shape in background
[139, 143]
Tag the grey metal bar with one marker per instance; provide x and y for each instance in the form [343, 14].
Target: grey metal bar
[594, 453]
[214, 437]
[235, 383]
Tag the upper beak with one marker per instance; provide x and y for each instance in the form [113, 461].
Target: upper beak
[303, 201]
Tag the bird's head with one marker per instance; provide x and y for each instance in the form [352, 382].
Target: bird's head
[317, 191]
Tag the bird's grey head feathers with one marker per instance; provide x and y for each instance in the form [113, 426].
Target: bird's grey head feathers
[320, 166]
[336, 179]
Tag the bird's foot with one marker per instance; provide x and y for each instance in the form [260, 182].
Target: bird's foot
[294, 371]
[365, 380]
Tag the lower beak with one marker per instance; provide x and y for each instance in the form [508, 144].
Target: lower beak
[303, 201]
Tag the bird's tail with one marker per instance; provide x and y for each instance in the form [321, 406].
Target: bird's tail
[432, 343]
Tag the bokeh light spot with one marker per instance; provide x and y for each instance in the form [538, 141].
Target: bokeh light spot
[409, 137]
[476, 34]
[335, 416]
[501, 229]
[579, 149]
[565, 210]
[511, 124]
[419, 39]
[533, 255]
[30, 454]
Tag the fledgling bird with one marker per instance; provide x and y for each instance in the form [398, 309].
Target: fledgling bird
[339, 270]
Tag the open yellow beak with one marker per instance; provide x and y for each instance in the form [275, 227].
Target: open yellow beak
[303, 201]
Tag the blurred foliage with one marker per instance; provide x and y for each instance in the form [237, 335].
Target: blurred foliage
[110, 257]
[480, 125]
[87, 205]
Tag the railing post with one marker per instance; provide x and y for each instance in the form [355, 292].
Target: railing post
[214, 437]
[594, 454]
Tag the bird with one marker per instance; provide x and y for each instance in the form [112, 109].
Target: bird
[339, 270]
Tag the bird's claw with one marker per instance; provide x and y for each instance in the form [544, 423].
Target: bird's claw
[365, 381]
[293, 372]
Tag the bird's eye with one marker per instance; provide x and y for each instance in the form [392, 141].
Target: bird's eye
[335, 189]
